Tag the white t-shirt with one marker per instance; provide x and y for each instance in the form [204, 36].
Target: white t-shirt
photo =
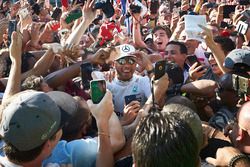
[138, 85]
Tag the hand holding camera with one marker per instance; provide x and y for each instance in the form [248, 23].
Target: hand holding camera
[103, 110]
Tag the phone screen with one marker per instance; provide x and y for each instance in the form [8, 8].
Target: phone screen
[98, 90]
[86, 70]
[131, 98]
[160, 69]
[73, 15]
[192, 59]
[12, 27]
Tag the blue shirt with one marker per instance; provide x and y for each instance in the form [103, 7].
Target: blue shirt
[78, 153]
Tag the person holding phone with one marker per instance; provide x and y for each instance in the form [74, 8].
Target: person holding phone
[126, 81]
[177, 52]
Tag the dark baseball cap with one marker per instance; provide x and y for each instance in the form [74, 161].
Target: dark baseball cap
[237, 58]
[33, 117]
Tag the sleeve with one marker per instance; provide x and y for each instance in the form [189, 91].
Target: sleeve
[83, 152]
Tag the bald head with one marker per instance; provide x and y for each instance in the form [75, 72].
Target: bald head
[244, 116]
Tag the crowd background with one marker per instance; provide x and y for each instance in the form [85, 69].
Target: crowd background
[175, 96]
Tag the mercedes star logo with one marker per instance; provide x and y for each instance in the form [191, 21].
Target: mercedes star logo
[125, 48]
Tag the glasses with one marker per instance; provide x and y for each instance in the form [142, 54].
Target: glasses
[123, 61]
[208, 54]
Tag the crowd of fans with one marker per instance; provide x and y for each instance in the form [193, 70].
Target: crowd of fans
[176, 90]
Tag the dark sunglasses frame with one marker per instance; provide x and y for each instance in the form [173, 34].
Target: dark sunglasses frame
[207, 54]
[124, 61]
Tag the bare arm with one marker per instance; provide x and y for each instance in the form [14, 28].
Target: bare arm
[219, 55]
[14, 82]
[42, 65]
[110, 135]
[137, 38]
[200, 87]
[60, 77]
[88, 17]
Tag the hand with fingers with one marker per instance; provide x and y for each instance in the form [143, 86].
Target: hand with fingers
[89, 13]
[15, 48]
[63, 24]
[34, 34]
[130, 112]
[207, 35]
[110, 75]
[223, 156]
[160, 89]
[47, 35]
[196, 72]
[143, 60]
[71, 51]
[178, 27]
[103, 55]
[103, 110]
[55, 47]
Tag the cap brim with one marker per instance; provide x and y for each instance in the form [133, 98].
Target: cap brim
[120, 57]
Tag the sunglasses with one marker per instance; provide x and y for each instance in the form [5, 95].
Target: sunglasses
[123, 61]
[208, 54]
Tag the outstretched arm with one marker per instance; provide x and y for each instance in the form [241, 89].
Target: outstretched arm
[14, 82]
[88, 16]
[137, 38]
[219, 55]
[110, 134]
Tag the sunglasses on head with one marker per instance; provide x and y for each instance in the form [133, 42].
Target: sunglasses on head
[208, 54]
[123, 61]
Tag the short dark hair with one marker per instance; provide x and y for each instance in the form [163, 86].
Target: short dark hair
[161, 27]
[16, 156]
[183, 48]
[226, 44]
[78, 120]
[163, 140]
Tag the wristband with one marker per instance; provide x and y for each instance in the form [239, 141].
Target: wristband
[236, 158]
[103, 134]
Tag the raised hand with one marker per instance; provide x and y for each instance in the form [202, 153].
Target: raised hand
[88, 12]
[103, 110]
[223, 156]
[16, 47]
[195, 71]
[130, 112]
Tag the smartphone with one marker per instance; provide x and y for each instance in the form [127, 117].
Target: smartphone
[131, 98]
[12, 27]
[246, 15]
[73, 15]
[192, 59]
[86, 70]
[227, 10]
[160, 69]
[98, 90]
[241, 84]
[242, 27]
[56, 13]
